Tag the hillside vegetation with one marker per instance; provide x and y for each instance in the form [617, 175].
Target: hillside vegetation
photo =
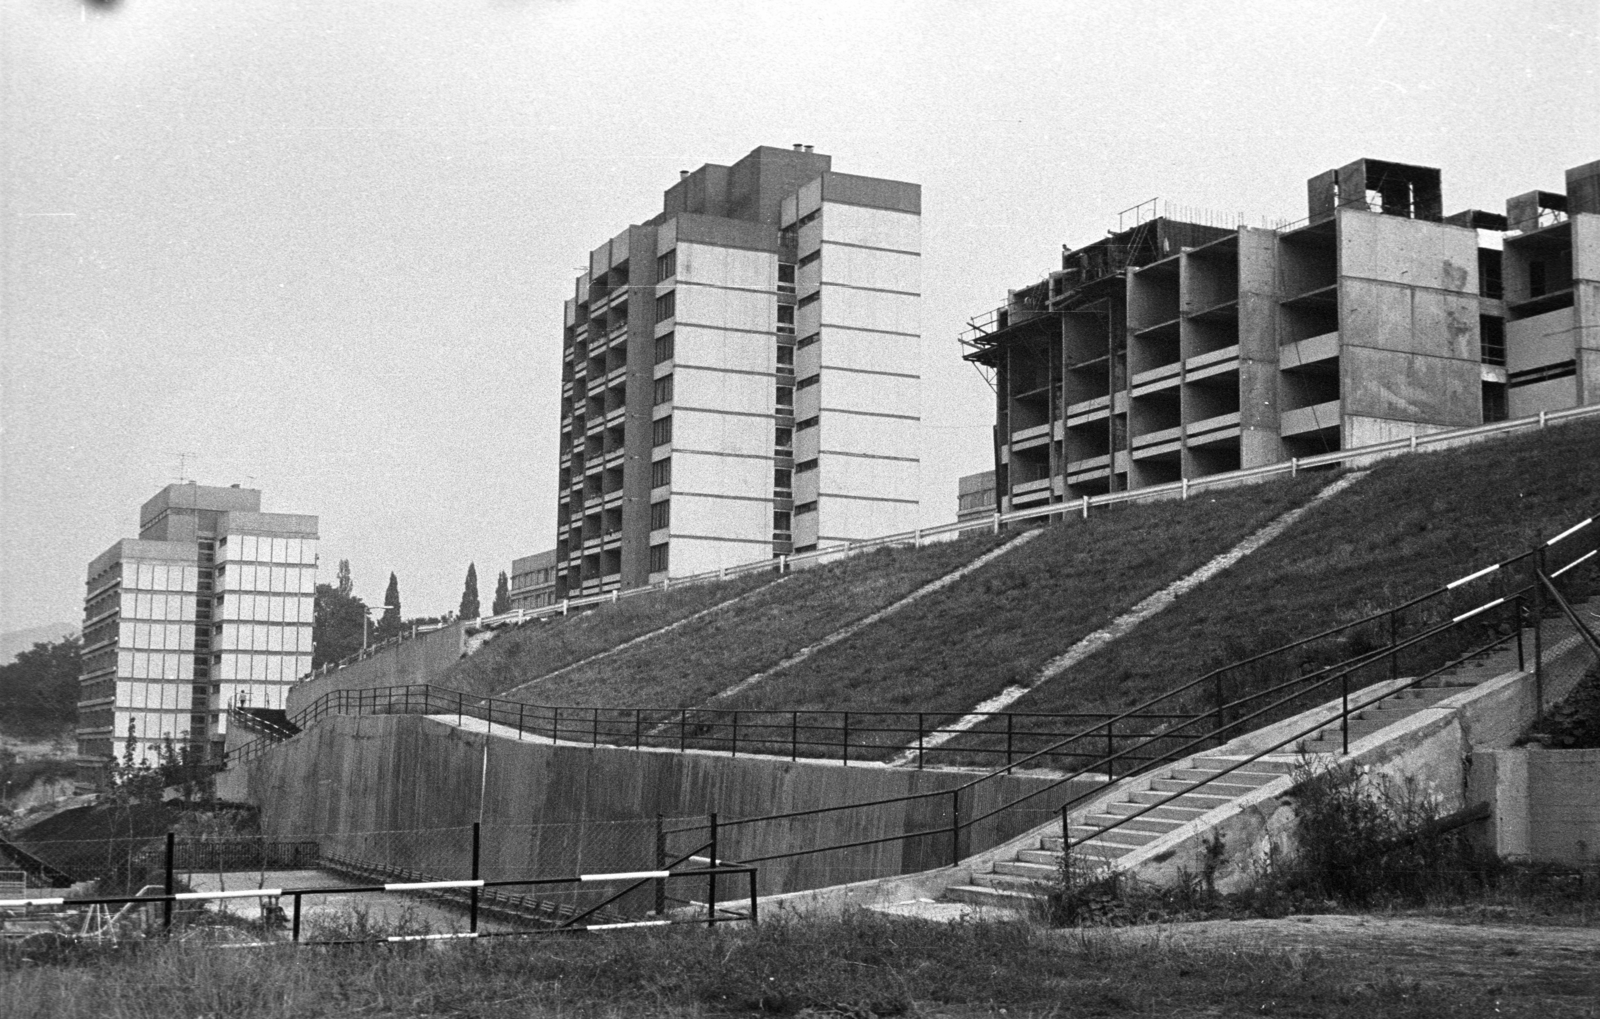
[1000, 625]
[540, 647]
[1414, 523]
[698, 660]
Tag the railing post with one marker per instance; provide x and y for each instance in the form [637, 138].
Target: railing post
[794, 735]
[1344, 710]
[1538, 626]
[996, 521]
[846, 741]
[521, 710]
[683, 730]
[555, 723]
[472, 900]
[735, 732]
[919, 740]
[711, 891]
[1221, 706]
[461, 708]
[638, 731]
[1111, 749]
[166, 907]
[294, 931]
[1394, 638]
[1185, 487]
[1522, 663]
[1086, 507]
[661, 864]
[596, 728]
[1009, 717]
[955, 826]
[753, 899]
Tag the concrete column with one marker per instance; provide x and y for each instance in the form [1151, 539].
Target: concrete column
[1259, 415]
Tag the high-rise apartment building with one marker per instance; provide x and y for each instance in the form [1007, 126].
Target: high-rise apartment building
[741, 375]
[210, 607]
[1176, 349]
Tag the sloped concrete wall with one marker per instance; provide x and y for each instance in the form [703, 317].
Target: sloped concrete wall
[420, 659]
[403, 773]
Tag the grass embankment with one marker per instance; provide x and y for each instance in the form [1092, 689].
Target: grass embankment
[1415, 523]
[863, 965]
[696, 661]
[541, 647]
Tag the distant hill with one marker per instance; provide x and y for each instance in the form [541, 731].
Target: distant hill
[13, 641]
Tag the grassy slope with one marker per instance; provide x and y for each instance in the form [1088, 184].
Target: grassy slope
[541, 647]
[696, 661]
[1414, 523]
[1001, 624]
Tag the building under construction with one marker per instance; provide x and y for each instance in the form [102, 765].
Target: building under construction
[1177, 349]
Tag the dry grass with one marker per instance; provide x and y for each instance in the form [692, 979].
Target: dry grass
[862, 965]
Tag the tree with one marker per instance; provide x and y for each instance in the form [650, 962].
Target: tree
[469, 594]
[337, 622]
[502, 595]
[39, 689]
[390, 625]
[346, 585]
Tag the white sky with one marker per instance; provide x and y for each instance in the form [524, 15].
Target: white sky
[322, 247]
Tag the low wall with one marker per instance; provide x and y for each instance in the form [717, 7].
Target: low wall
[419, 659]
[1546, 803]
[406, 773]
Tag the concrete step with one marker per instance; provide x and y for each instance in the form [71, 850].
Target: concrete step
[1013, 883]
[1090, 849]
[1220, 787]
[1116, 836]
[1161, 825]
[1172, 811]
[1269, 764]
[1041, 857]
[1035, 871]
[1199, 800]
[977, 895]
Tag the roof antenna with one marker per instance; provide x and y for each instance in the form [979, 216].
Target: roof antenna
[183, 465]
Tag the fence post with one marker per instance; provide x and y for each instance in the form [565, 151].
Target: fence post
[461, 707]
[919, 741]
[735, 732]
[1522, 663]
[996, 521]
[1086, 507]
[794, 735]
[661, 864]
[1185, 487]
[846, 741]
[1394, 638]
[596, 728]
[555, 723]
[472, 914]
[294, 931]
[711, 891]
[1294, 466]
[1009, 717]
[683, 730]
[166, 907]
[638, 733]
[520, 712]
[1111, 750]
[1221, 703]
[753, 919]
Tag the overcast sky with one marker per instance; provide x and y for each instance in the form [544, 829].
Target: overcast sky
[320, 248]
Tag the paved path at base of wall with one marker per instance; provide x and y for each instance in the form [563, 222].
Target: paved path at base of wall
[685, 621]
[1124, 623]
[861, 624]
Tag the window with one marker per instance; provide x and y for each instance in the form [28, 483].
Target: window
[661, 473]
[805, 465]
[663, 392]
[780, 520]
[664, 347]
[810, 422]
[808, 217]
[781, 479]
[808, 381]
[786, 276]
[666, 305]
[805, 507]
[661, 431]
[785, 396]
[783, 437]
[667, 266]
[785, 354]
[786, 314]
[810, 299]
[806, 341]
[658, 558]
[660, 515]
[808, 259]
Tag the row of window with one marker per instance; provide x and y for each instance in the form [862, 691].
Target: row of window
[264, 637]
[658, 558]
[277, 579]
[664, 348]
[660, 515]
[661, 431]
[267, 608]
[808, 382]
[663, 390]
[159, 577]
[156, 636]
[806, 260]
[807, 423]
[145, 605]
[661, 472]
[666, 266]
[801, 509]
[806, 341]
[254, 548]
[265, 668]
[666, 305]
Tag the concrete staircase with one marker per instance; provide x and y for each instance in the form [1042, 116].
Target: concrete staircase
[1022, 881]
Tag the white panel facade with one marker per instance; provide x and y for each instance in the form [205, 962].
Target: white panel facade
[726, 267]
[866, 433]
[749, 519]
[730, 391]
[876, 228]
[870, 267]
[721, 348]
[879, 352]
[719, 475]
[848, 519]
[865, 475]
[887, 394]
[721, 433]
[699, 555]
[745, 310]
[870, 309]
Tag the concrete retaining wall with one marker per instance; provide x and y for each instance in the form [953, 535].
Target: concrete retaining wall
[1546, 803]
[419, 659]
[402, 773]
